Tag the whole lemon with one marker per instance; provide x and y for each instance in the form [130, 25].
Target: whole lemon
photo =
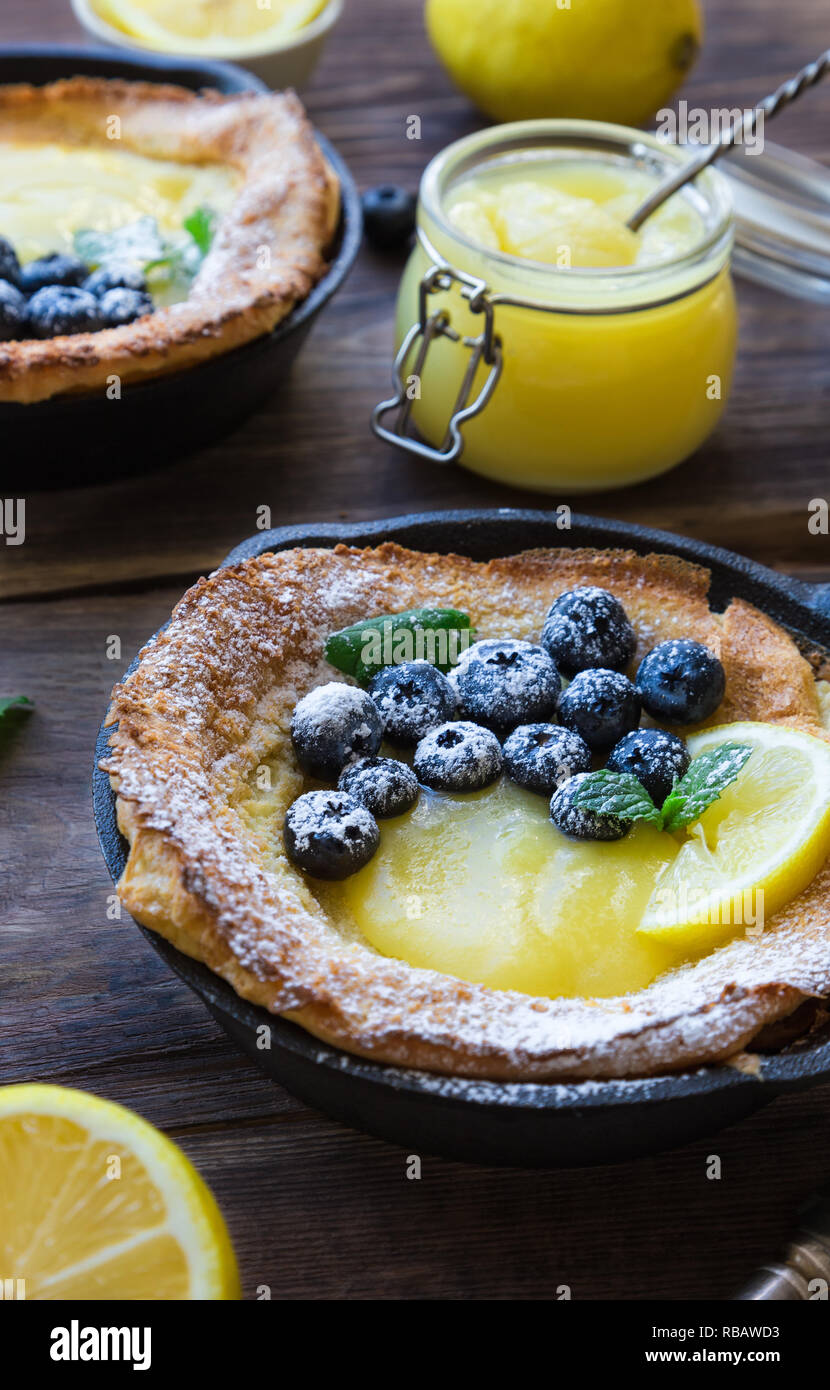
[604, 60]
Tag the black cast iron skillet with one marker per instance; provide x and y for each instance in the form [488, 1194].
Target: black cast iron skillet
[492, 1122]
[74, 440]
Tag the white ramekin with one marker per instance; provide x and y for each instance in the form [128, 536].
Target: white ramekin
[290, 65]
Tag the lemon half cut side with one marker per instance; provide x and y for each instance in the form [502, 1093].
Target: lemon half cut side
[95, 1203]
[212, 28]
[755, 849]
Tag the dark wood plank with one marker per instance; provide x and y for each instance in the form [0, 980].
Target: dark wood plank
[749, 488]
[86, 1002]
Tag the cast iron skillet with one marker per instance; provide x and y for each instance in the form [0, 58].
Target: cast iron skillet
[74, 440]
[482, 1121]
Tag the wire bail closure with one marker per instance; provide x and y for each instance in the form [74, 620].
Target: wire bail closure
[440, 277]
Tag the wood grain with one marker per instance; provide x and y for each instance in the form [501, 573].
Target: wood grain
[317, 1211]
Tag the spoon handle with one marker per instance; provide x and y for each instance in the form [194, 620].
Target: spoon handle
[787, 93]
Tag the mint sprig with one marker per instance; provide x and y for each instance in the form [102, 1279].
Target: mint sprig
[708, 776]
[621, 794]
[166, 261]
[617, 794]
[12, 701]
[201, 225]
[437, 635]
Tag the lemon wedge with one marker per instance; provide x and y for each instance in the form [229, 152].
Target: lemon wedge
[755, 848]
[96, 1204]
[215, 28]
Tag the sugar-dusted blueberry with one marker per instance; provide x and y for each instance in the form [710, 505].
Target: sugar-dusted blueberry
[542, 756]
[502, 682]
[121, 306]
[13, 313]
[588, 627]
[56, 269]
[655, 757]
[385, 786]
[330, 834]
[580, 824]
[9, 264]
[681, 682]
[58, 310]
[334, 725]
[459, 757]
[600, 706]
[116, 276]
[412, 698]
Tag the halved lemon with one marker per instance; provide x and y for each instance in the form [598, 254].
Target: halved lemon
[755, 849]
[95, 1203]
[212, 27]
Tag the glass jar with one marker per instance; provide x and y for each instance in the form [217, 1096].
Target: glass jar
[561, 379]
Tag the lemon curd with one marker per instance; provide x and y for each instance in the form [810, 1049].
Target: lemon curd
[623, 364]
[50, 191]
[483, 887]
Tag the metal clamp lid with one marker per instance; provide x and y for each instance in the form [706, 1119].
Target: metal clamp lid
[486, 347]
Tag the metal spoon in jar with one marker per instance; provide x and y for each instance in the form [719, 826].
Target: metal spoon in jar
[770, 106]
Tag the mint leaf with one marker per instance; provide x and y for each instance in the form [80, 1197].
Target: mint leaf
[708, 776]
[616, 794]
[138, 243]
[437, 635]
[201, 225]
[11, 701]
[168, 262]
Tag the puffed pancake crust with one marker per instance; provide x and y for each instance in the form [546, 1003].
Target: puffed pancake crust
[288, 202]
[210, 704]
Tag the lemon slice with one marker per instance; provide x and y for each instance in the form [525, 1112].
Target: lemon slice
[755, 848]
[212, 27]
[96, 1204]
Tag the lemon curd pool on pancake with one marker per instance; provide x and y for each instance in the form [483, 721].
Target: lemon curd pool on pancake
[593, 845]
[497, 869]
[50, 191]
[134, 221]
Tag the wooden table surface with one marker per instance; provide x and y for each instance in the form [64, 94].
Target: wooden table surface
[316, 1210]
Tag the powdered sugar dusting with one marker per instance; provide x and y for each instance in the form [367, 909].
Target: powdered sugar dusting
[211, 702]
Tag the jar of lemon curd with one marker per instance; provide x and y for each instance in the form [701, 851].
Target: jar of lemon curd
[542, 343]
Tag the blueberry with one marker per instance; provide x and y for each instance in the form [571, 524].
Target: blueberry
[601, 706]
[587, 627]
[120, 306]
[56, 269]
[460, 757]
[334, 725]
[681, 682]
[542, 756]
[412, 698]
[13, 313]
[9, 264]
[384, 786]
[502, 683]
[115, 277]
[388, 216]
[580, 824]
[330, 834]
[60, 309]
[655, 757]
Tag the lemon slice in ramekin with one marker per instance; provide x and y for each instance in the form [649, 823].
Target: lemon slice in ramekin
[215, 28]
